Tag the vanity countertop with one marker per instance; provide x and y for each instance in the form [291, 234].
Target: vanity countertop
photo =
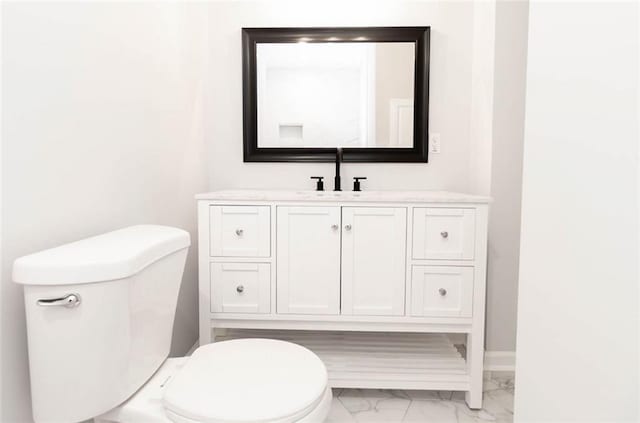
[347, 196]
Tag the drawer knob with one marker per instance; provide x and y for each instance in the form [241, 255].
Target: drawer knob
[347, 227]
[240, 289]
[334, 227]
[239, 232]
[442, 292]
[444, 234]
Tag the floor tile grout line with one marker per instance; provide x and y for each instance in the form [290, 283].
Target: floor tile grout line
[406, 410]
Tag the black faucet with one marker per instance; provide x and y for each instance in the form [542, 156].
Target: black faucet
[336, 180]
[319, 182]
[356, 182]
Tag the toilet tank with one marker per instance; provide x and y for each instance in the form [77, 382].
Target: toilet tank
[100, 315]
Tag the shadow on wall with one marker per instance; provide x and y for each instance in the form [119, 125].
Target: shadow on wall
[102, 129]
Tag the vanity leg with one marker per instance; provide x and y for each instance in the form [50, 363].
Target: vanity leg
[475, 358]
[475, 339]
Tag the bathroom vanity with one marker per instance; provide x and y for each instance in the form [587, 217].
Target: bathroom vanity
[380, 278]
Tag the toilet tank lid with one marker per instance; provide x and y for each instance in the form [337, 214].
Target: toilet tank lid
[113, 255]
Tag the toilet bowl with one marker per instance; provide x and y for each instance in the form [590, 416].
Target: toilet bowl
[100, 316]
[278, 382]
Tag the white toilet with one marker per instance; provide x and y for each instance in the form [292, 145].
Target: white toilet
[100, 315]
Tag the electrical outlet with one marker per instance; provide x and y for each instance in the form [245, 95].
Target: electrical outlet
[434, 143]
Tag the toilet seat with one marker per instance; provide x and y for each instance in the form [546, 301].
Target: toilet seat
[279, 382]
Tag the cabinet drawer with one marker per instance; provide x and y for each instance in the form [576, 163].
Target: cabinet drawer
[240, 231]
[442, 291]
[443, 233]
[240, 287]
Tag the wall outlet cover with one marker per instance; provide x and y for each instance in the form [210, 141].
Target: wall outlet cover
[434, 143]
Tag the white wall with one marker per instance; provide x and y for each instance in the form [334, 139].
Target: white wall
[481, 96]
[506, 175]
[451, 44]
[102, 128]
[577, 349]
[1, 216]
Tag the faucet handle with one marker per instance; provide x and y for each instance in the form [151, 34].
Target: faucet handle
[319, 183]
[356, 182]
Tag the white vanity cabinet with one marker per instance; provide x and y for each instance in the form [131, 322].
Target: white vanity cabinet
[373, 282]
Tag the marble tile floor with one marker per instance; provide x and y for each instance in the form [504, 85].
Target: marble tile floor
[396, 406]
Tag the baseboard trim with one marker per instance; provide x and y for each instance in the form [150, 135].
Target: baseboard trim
[500, 361]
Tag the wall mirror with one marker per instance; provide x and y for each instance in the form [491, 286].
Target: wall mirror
[308, 91]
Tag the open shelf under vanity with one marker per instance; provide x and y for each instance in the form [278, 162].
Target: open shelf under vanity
[378, 360]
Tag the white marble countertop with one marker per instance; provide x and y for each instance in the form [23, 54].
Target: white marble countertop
[344, 196]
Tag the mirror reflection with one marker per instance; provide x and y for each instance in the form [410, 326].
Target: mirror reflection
[354, 95]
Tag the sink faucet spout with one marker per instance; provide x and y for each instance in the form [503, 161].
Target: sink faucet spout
[336, 180]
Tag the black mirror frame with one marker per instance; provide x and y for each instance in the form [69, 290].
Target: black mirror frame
[419, 35]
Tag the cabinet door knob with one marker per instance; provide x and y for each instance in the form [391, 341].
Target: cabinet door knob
[444, 234]
[334, 227]
[347, 227]
[442, 292]
[240, 289]
[239, 232]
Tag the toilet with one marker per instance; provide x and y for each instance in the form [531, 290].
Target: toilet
[100, 315]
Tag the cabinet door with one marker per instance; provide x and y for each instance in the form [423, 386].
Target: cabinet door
[308, 260]
[373, 260]
[442, 291]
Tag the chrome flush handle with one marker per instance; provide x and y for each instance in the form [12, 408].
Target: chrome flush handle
[68, 301]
